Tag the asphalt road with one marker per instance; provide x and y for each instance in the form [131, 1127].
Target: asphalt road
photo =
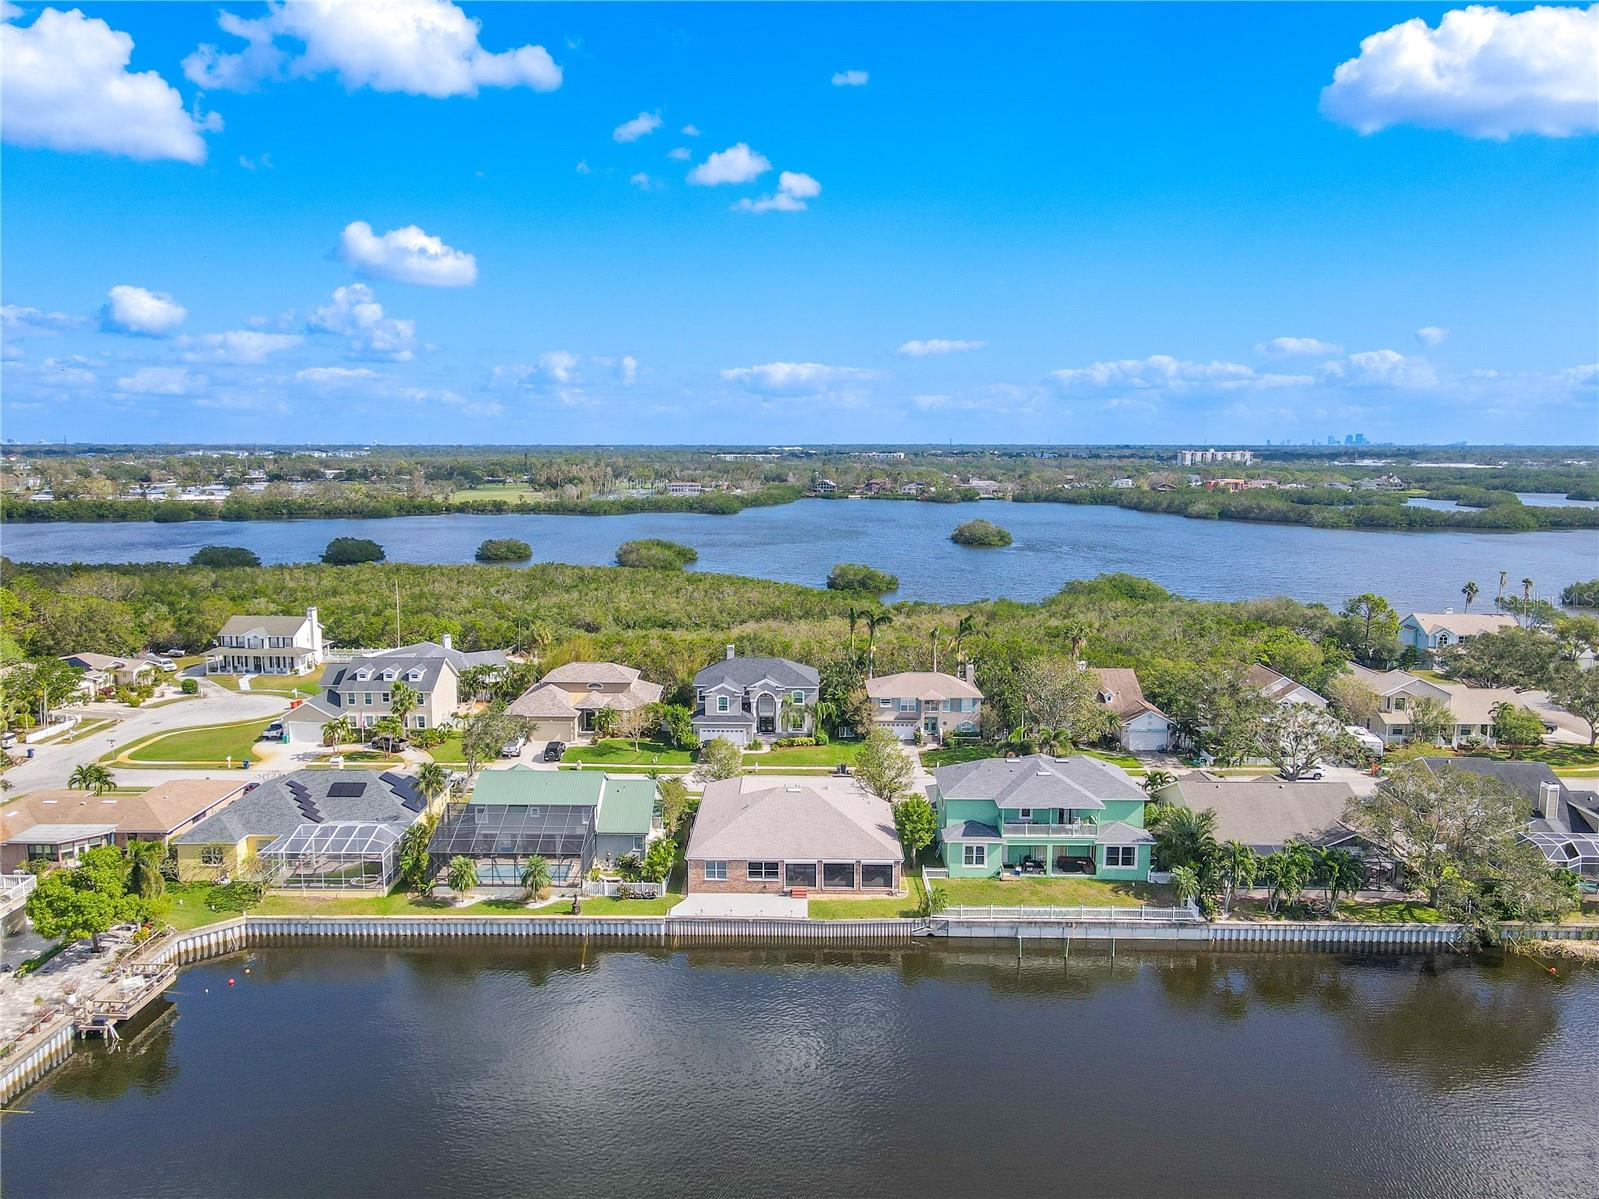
[52, 765]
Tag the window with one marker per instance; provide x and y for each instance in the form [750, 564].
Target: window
[721, 703]
[762, 872]
[387, 697]
[797, 696]
[421, 721]
[1024, 814]
[638, 844]
[877, 874]
[716, 872]
[1123, 856]
[594, 686]
[974, 855]
[885, 703]
[838, 874]
[366, 697]
[800, 874]
[907, 705]
[210, 855]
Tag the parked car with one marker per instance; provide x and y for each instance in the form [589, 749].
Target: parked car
[1310, 774]
[272, 732]
[1366, 738]
[7, 740]
[388, 744]
[554, 750]
[163, 663]
[513, 748]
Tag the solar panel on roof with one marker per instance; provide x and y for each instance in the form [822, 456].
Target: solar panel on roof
[303, 801]
[346, 790]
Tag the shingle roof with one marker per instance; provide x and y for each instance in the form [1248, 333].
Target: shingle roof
[791, 823]
[921, 684]
[159, 810]
[1126, 695]
[1269, 813]
[970, 830]
[744, 672]
[583, 673]
[540, 703]
[273, 626]
[1462, 624]
[460, 659]
[1037, 781]
[1524, 778]
[282, 804]
[1119, 832]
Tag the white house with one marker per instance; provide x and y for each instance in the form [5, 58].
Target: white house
[1425, 632]
[267, 645]
[937, 704]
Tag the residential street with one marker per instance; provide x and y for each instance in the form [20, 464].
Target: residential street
[52, 765]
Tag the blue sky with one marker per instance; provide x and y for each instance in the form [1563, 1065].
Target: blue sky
[1094, 223]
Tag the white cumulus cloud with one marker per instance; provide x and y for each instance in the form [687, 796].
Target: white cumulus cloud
[736, 164]
[679, 154]
[335, 376]
[407, 255]
[850, 78]
[355, 314]
[241, 347]
[631, 131]
[161, 381]
[1431, 335]
[1285, 347]
[420, 47]
[793, 189]
[65, 85]
[1381, 368]
[938, 345]
[1482, 72]
[642, 181]
[143, 313]
[1162, 372]
[784, 379]
[18, 319]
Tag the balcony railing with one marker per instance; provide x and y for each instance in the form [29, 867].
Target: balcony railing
[1038, 829]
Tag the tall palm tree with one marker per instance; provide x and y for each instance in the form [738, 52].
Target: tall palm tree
[1339, 871]
[1503, 576]
[432, 781]
[876, 619]
[1186, 837]
[1076, 634]
[1470, 592]
[932, 637]
[854, 615]
[461, 875]
[964, 628]
[91, 776]
[1239, 865]
[403, 700]
[790, 715]
[535, 877]
[1526, 598]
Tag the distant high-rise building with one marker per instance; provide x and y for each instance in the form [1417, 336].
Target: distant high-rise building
[1360, 439]
[1200, 457]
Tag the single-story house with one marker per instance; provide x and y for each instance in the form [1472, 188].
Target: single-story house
[770, 835]
[1144, 728]
[1562, 821]
[267, 645]
[741, 698]
[364, 814]
[925, 701]
[1425, 632]
[1266, 814]
[562, 705]
[1280, 689]
[58, 825]
[573, 819]
[104, 673]
[1077, 815]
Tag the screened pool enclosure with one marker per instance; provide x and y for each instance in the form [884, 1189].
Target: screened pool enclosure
[349, 856]
[500, 838]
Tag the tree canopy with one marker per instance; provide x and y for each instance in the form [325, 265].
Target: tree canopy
[504, 549]
[652, 553]
[348, 551]
[224, 556]
[979, 532]
[856, 576]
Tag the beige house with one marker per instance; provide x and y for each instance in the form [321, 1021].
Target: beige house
[103, 674]
[563, 704]
[924, 701]
[58, 825]
[1471, 707]
[362, 689]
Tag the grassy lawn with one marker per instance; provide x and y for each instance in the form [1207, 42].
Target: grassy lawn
[830, 754]
[1384, 911]
[868, 909]
[949, 755]
[87, 729]
[617, 752]
[210, 745]
[1061, 892]
[598, 906]
[496, 491]
[449, 752]
[270, 684]
[1125, 761]
[1560, 757]
[188, 909]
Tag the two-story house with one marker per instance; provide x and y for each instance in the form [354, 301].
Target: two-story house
[1427, 632]
[1471, 709]
[267, 645]
[362, 689]
[562, 705]
[1281, 690]
[1041, 815]
[928, 702]
[740, 699]
[1141, 727]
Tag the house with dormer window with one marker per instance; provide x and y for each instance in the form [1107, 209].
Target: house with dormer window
[362, 689]
[281, 645]
[741, 699]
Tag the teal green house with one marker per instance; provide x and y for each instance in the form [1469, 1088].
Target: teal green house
[1051, 816]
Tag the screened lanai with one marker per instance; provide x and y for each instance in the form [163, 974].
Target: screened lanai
[1577, 852]
[338, 856]
[500, 838]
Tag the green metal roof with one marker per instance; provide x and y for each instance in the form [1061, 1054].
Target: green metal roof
[524, 785]
[628, 808]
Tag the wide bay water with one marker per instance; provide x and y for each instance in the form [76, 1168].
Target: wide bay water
[800, 542]
[930, 1071]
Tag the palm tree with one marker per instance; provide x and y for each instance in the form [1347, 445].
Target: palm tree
[1057, 743]
[1157, 780]
[1185, 883]
[462, 875]
[91, 776]
[932, 637]
[1503, 576]
[144, 878]
[432, 781]
[854, 615]
[1526, 601]
[336, 730]
[402, 702]
[605, 721]
[964, 628]
[790, 715]
[1470, 592]
[416, 862]
[1076, 634]
[1186, 837]
[1340, 872]
[535, 877]
[387, 726]
[1239, 866]
[875, 619]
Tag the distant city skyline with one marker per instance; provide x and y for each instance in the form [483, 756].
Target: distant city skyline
[747, 225]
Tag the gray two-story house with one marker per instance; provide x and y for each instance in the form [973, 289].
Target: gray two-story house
[740, 699]
[362, 689]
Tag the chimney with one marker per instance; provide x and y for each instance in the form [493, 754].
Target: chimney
[1549, 801]
[447, 641]
[969, 673]
[729, 653]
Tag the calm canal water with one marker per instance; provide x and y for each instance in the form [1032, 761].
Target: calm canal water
[926, 1072]
[800, 543]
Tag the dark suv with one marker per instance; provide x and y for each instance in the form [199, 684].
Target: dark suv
[554, 750]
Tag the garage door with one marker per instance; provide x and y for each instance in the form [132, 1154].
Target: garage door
[735, 735]
[1145, 740]
[552, 730]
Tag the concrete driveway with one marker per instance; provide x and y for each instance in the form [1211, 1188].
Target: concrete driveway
[748, 907]
[52, 765]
